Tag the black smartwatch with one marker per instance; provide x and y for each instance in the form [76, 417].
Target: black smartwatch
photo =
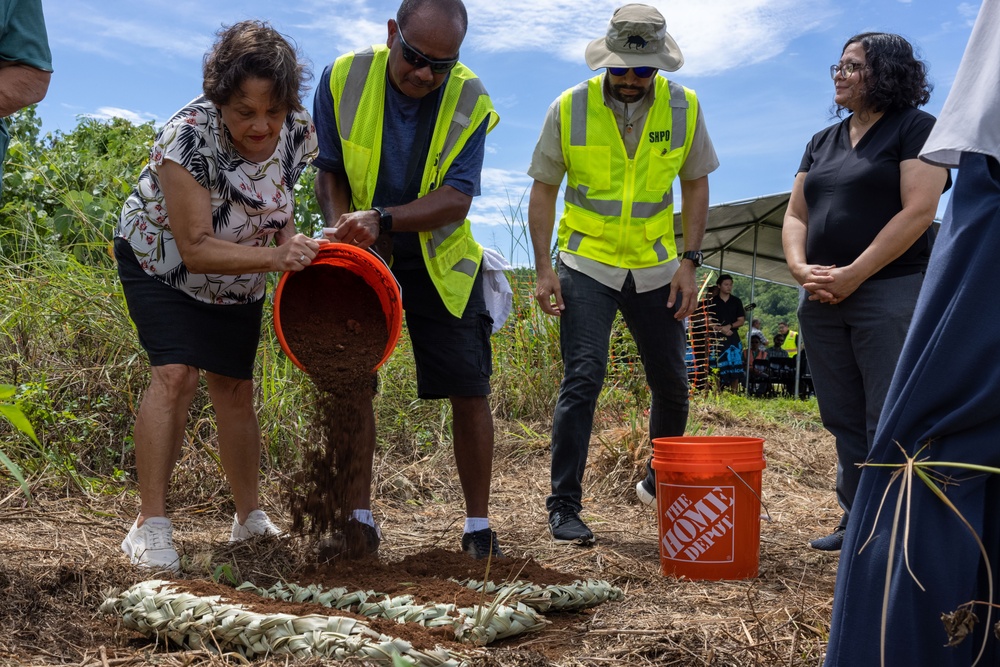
[384, 219]
[695, 256]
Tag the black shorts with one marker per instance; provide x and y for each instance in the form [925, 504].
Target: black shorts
[175, 328]
[452, 355]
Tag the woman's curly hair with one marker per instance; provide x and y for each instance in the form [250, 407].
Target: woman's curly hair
[896, 78]
[254, 50]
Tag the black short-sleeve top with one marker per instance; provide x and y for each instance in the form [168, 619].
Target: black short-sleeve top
[852, 192]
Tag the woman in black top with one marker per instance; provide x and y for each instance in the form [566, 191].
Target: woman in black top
[857, 238]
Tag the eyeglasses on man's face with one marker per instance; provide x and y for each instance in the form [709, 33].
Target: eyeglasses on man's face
[641, 72]
[418, 60]
[845, 69]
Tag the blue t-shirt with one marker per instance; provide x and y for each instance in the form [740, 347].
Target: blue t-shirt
[401, 163]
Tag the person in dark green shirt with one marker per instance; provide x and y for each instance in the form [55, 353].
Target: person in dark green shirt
[25, 62]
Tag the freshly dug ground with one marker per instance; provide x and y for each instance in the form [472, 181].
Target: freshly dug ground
[59, 556]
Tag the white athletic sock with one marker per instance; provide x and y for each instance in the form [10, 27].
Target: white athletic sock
[364, 516]
[472, 524]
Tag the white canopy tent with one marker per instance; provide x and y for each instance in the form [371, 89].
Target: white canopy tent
[744, 237]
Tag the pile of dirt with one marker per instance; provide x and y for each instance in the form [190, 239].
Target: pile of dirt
[333, 323]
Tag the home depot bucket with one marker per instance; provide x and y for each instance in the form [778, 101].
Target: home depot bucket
[337, 288]
[708, 505]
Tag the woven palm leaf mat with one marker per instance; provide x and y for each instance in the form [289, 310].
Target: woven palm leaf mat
[432, 608]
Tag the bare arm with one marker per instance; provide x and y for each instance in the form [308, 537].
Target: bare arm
[794, 230]
[694, 218]
[333, 192]
[541, 223]
[21, 86]
[189, 206]
[436, 209]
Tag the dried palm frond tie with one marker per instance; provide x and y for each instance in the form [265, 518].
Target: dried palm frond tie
[160, 609]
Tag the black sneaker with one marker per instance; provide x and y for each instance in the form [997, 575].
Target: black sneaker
[356, 541]
[831, 542]
[567, 527]
[645, 493]
[482, 544]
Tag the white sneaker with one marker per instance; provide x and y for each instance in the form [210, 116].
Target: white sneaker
[257, 523]
[151, 545]
[645, 497]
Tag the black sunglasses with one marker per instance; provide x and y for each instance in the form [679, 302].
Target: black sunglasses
[641, 72]
[418, 60]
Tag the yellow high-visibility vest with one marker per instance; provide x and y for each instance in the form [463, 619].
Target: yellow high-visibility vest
[357, 82]
[620, 210]
[791, 343]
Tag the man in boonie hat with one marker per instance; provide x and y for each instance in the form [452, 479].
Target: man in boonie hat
[620, 139]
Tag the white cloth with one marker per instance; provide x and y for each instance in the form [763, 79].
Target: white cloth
[496, 288]
[969, 118]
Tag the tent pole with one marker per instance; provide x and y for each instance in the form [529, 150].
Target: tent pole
[753, 290]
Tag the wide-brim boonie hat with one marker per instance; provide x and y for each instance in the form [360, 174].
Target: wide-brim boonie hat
[637, 37]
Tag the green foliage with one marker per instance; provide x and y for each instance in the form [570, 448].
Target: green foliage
[13, 414]
[775, 303]
[67, 190]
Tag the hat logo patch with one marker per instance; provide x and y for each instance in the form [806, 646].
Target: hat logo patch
[637, 41]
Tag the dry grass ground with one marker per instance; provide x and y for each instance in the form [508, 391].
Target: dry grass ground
[59, 555]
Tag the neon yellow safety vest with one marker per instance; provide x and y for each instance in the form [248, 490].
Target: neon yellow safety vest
[620, 211]
[358, 83]
[791, 343]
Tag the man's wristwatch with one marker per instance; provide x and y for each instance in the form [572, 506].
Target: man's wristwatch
[384, 219]
[695, 256]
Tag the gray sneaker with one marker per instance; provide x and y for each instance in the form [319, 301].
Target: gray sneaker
[151, 545]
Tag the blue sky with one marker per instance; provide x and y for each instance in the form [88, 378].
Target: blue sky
[760, 68]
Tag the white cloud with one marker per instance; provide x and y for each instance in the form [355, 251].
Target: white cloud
[111, 35]
[714, 35]
[504, 198]
[134, 117]
[969, 12]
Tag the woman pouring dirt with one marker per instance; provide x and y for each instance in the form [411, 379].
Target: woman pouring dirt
[193, 245]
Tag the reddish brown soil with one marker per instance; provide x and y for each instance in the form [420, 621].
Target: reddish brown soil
[420, 637]
[333, 323]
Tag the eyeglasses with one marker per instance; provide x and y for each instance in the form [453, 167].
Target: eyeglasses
[418, 60]
[846, 70]
[641, 72]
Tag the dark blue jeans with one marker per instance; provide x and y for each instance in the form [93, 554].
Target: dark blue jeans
[585, 336]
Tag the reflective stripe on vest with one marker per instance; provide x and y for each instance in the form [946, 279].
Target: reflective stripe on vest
[357, 84]
[619, 210]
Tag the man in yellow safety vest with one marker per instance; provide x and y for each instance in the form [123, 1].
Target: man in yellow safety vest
[620, 139]
[791, 344]
[402, 131]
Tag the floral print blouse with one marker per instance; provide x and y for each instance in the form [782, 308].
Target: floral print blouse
[251, 201]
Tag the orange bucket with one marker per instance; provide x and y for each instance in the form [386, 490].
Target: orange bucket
[371, 269]
[708, 505]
